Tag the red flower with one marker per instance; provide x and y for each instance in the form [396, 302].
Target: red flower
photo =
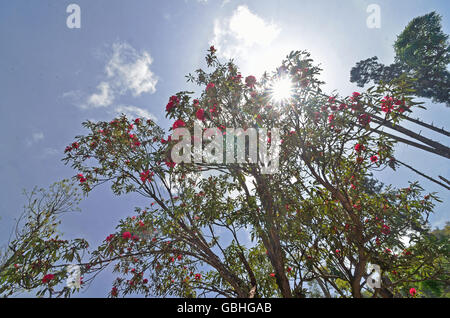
[75, 145]
[374, 159]
[81, 178]
[145, 281]
[387, 104]
[355, 95]
[126, 235]
[212, 110]
[209, 86]
[198, 276]
[385, 229]
[170, 164]
[169, 106]
[114, 292]
[330, 118]
[272, 274]
[178, 123]
[212, 49]
[47, 278]
[359, 147]
[173, 101]
[137, 121]
[200, 114]
[146, 175]
[109, 237]
[364, 119]
[412, 291]
[250, 81]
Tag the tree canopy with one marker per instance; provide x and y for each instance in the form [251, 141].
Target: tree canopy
[228, 229]
[422, 52]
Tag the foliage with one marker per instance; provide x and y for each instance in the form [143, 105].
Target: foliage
[421, 53]
[36, 249]
[316, 223]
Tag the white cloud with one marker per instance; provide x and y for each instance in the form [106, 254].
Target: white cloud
[105, 97]
[127, 71]
[130, 71]
[243, 32]
[49, 152]
[35, 137]
[38, 136]
[74, 94]
[134, 111]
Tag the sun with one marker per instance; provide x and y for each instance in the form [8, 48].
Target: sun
[281, 89]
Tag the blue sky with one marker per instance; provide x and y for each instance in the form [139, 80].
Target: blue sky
[130, 56]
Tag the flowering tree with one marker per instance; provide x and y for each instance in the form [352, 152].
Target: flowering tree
[35, 256]
[320, 220]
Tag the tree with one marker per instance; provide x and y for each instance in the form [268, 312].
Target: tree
[422, 57]
[438, 288]
[34, 258]
[421, 52]
[315, 223]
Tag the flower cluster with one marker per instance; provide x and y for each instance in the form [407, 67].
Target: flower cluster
[173, 102]
[147, 175]
[388, 104]
[47, 278]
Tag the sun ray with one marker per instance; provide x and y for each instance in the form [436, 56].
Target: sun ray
[281, 90]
